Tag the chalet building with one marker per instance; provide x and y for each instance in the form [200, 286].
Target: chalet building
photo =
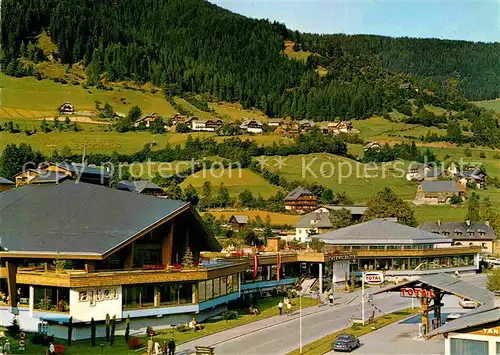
[416, 171]
[340, 127]
[382, 244]
[178, 118]
[6, 184]
[275, 122]
[437, 192]
[251, 126]
[466, 233]
[146, 120]
[56, 173]
[141, 187]
[371, 145]
[213, 125]
[66, 109]
[472, 176]
[306, 125]
[300, 200]
[238, 222]
[99, 251]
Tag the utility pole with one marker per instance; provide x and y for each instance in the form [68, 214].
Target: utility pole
[300, 321]
[363, 297]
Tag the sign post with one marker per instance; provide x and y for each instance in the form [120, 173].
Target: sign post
[363, 298]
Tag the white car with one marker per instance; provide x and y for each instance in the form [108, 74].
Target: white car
[465, 303]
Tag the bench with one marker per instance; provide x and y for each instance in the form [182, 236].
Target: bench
[204, 350]
[133, 343]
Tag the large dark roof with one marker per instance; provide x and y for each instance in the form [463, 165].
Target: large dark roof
[380, 231]
[461, 230]
[83, 169]
[49, 177]
[315, 220]
[4, 181]
[441, 186]
[296, 193]
[138, 186]
[76, 217]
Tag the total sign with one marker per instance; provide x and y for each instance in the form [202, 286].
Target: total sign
[374, 278]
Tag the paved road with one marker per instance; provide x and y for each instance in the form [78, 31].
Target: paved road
[280, 335]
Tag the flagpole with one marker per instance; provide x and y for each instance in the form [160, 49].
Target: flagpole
[300, 320]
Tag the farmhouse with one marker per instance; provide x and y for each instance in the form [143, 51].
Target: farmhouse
[371, 145]
[6, 184]
[99, 251]
[238, 221]
[435, 192]
[473, 177]
[213, 125]
[416, 171]
[340, 127]
[177, 118]
[312, 223]
[468, 233]
[141, 187]
[300, 200]
[66, 109]
[275, 122]
[384, 244]
[251, 126]
[306, 125]
[146, 120]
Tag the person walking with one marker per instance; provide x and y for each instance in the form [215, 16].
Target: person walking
[280, 307]
[6, 347]
[171, 347]
[289, 309]
[157, 348]
[150, 346]
[330, 298]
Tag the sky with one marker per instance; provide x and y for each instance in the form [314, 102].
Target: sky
[458, 19]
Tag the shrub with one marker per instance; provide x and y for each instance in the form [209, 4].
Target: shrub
[227, 315]
[74, 82]
[42, 339]
[496, 156]
[14, 329]
[482, 155]
[455, 200]
[63, 81]
[183, 327]
[56, 80]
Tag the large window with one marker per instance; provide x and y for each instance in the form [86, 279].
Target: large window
[23, 295]
[201, 291]
[54, 299]
[217, 287]
[468, 347]
[138, 296]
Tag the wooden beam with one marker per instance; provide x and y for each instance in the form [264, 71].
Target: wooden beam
[128, 263]
[167, 242]
[11, 283]
[89, 266]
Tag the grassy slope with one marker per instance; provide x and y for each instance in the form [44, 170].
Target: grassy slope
[235, 180]
[489, 104]
[276, 218]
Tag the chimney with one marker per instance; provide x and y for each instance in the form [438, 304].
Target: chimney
[468, 222]
[439, 223]
[273, 244]
[487, 223]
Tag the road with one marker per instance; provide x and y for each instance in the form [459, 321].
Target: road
[281, 337]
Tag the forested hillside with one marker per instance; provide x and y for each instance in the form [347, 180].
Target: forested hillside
[475, 65]
[194, 46]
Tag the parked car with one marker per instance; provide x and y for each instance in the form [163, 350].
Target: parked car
[345, 342]
[465, 303]
[452, 316]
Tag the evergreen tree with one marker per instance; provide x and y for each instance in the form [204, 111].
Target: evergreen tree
[187, 259]
[341, 218]
[387, 204]
[473, 208]
[92, 331]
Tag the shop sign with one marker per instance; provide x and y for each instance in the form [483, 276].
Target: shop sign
[374, 278]
[416, 292]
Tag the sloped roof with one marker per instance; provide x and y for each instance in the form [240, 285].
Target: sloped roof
[138, 186]
[441, 186]
[79, 218]
[315, 220]
[468, 320]
[4, 181]
[434, 172]
[380, 231]
[82, 169]
[480, 230]
[49, 177]
[296, 193]
[450, 284]
[355, 210]
[239, 219]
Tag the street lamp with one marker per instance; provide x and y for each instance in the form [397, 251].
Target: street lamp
[411, 274]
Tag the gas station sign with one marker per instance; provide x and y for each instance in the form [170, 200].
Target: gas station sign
[374, 278]
[416, 292]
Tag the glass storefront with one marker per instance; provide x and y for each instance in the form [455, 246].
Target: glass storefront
[157, 295]
[218, 287]
[405, 263]
[468, 347]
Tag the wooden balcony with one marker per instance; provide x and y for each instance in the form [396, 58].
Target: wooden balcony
[81, 278]
[451, 251]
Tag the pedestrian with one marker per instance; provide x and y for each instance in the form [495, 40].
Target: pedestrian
[157, 348]
[330, 298]
[150, 346]
[171, 347]
[52, 348]
[280, 307]
[6, 347]
[289, 309]
[164, 348]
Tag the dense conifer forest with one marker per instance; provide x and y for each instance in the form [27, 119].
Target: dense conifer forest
[194, 46]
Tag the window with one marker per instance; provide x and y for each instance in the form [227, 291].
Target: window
[54, 299]
[139, 296]
[223, 285]
[216, 288]
[168, 294]
[210, 289]
[201, 291]
[467, 347]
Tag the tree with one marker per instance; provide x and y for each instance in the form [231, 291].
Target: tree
[317, 245]
[67, 122]
[127, 329]
[246, 198]
[113, 326]
[206, 193]
[134, 113]
[182, 128]
[387, 204]
[341, 218]
[187, 259]
[157, 126]
[92, 331]
[13, 159]
[473, 208]
[191, 195]
[223, 196]
[44, 126]
[70, 330]
[108, 110]
[108, 323]
[493, 280]
[14, 328]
